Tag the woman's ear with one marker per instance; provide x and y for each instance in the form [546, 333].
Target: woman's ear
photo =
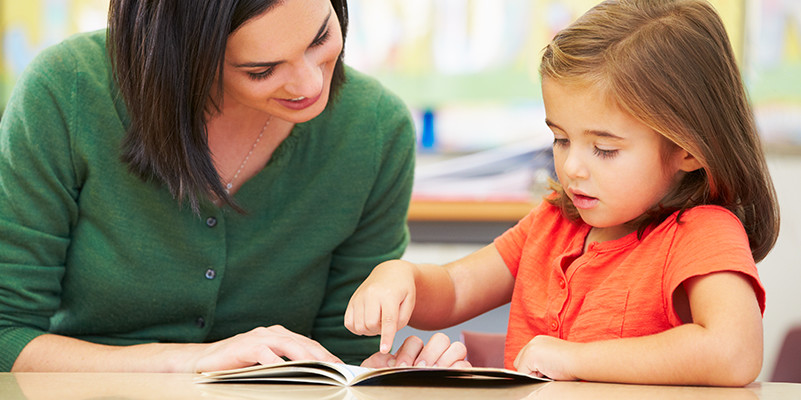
[687, 161]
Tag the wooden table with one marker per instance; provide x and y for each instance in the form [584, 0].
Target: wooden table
[146, 386]
[468, 210]
[464, 221]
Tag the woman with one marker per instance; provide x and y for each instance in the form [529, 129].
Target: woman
[202, 189]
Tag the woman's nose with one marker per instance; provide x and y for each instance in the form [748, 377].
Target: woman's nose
[306, 79]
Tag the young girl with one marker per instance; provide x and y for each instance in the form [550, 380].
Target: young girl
[640, 266]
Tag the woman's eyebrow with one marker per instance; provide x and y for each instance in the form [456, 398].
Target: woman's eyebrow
[268, 64]
[321, 31]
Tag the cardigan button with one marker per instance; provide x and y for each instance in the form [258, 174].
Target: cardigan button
[211, 222]
[200, 322]
[210, 273]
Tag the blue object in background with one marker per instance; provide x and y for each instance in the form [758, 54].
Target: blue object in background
[427, 137]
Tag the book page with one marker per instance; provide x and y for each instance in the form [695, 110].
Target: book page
[291, 371]
[345, 375]
[429, 375]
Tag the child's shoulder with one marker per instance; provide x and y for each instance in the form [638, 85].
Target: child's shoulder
[706, 215]
[705, 224]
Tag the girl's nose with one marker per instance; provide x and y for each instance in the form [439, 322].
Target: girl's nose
[574, 165]
[306, 79]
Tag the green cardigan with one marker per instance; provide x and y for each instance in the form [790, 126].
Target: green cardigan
[90, 251]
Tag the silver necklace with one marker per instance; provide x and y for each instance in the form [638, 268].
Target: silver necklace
[230, 183]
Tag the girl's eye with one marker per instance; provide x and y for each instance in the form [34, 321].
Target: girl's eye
[322, 39]
[257, 76]
[560, 142]
[604, 153]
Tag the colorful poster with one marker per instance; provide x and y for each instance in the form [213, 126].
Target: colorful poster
[27, 27]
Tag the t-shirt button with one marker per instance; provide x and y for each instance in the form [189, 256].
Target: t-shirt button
[211, 222]
[562, 283]
[200, 322]
[210, 273]
[554, 325]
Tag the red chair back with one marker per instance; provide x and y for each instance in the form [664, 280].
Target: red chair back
[484, 349]
[788, 364]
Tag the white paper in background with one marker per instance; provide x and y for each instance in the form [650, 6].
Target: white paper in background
[507, 173]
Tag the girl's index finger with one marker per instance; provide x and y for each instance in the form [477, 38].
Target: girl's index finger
[389, 327]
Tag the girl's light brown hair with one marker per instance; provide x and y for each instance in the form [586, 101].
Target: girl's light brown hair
[670, 65]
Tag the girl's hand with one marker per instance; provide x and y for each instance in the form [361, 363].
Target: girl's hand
[383, 304]
[439, 352]
[547, 356]
[258, 346]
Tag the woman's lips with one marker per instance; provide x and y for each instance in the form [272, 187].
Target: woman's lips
[300, 103]
[583, 202]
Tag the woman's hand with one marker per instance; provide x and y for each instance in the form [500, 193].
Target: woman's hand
[546, 356]
[384, 302]
[258, 346]
[439, 352]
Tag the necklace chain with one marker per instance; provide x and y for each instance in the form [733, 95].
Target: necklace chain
[230, 183]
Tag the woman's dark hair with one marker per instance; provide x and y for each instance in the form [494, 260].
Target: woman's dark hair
[166, 56]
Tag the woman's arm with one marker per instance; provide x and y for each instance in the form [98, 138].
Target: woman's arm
[722, 346]
[258, 346]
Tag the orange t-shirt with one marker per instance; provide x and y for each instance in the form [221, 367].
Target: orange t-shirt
[620, 288]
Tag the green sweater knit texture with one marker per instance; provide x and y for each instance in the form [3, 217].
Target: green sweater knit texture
[90, 251]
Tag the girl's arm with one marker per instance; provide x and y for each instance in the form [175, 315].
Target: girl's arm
[428, 296]
[722, 346]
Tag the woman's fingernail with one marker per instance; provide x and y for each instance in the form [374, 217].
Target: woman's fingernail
[422, 363]
[384, 348]
[403, 364]
[391, 362]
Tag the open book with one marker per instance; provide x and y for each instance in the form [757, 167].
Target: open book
[318, 372]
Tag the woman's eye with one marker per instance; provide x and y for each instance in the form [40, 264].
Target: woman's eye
[257, 76]
[559, 142]
[322, 39]
[604, 153]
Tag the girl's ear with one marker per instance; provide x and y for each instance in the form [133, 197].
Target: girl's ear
[687, 161]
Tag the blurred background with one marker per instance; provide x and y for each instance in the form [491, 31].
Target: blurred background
[470, 63]
[467, 70]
